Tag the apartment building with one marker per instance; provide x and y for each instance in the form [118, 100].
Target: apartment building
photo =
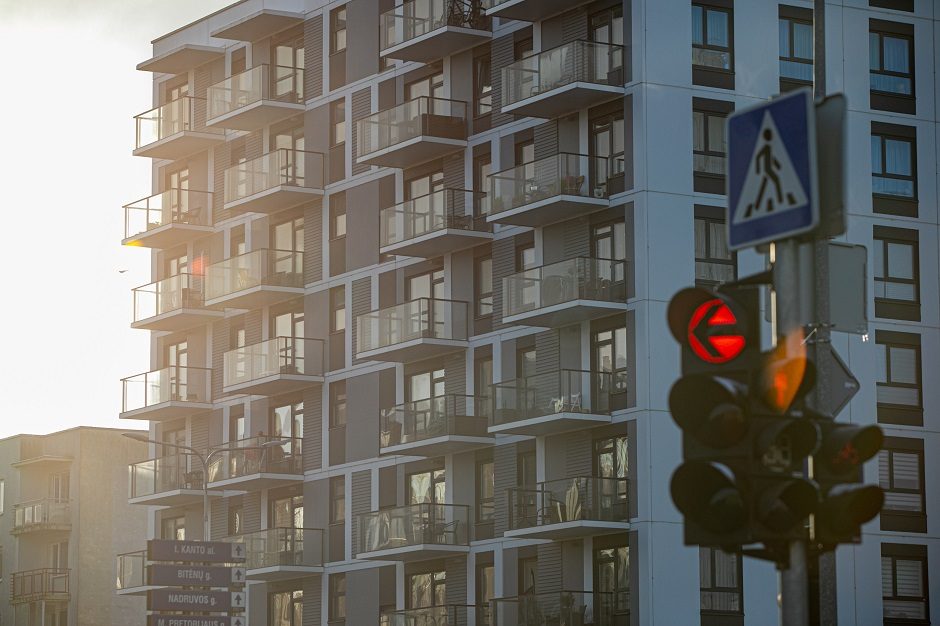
[63, 518]
[410, 271]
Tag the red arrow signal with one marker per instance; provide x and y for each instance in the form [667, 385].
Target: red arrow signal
[713, 333]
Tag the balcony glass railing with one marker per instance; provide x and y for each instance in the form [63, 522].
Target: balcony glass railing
[36, 513]
[173, 206]
[38, 584]
[282, 546]
[169, 119]
[568, 500]
[563, 391]
[424, 318]
[561, 174]
[183, 291]
[262, 82]
[296, 168]
[168, 473]
[412, 525]
[566, 281]
[441, 615]
[280, 355]
[558, 607]
[574, 62]
[418, 17]
[264, 454]
[423, 116]
[419, 420]
[131, 570]
[278, 268]
[447, 208]
[170, 384]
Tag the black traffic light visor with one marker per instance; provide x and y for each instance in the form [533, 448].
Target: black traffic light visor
[710, 408]
[707, 494]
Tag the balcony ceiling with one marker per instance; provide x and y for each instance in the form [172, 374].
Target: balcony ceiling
[413, 152]
[275, 384]
[565, 531]
[439, 446]
[564, 100]
[258, 25]
[256, 115]
[434, 244]
[282, 572]
[566, 313]
[180, 319]
[549, 210]
[182, 59]
[413, 350]
[168, 235]
[437, 44]
[418, 552]
[531, 10]
[550, 424]
[174, 497]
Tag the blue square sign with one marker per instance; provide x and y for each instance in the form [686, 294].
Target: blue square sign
[773, 192]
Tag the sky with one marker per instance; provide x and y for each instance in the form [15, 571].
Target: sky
[68, 96]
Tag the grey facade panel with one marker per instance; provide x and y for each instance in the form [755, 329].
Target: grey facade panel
[361, 502]
[313, 57]
[504, 467]
[361, 107]
[501, 55]
[313, 428]
[313, 242]
[504, 264]
[361, 304]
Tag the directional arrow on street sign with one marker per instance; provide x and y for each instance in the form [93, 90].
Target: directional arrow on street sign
[842, 386]
[197, 620]
[238, 600]
[174, 599]
[165, 574]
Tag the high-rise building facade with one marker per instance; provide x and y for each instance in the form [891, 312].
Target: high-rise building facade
[410, 271]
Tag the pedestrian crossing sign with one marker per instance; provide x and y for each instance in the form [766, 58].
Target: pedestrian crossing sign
[772, 177]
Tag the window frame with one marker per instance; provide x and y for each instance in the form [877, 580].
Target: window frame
[483, 301]
[334, 595]
[794, 15]
[905, 552]
[893, 308]
[891, 204]
[292, 600]
[710, 182]
[482, 91]
[712, 215]
[338, 25]
[889, 100]
[707, 75]
[337, 120]
[901, 414]
[738, 589]
[901, 520]
[482, 502]
[337, 304]
[338, 398]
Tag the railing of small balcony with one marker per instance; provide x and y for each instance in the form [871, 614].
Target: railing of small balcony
[424, 318]
[415, 18]
[562, 391]
[417, 421]
[131, 568]
[274, 547]
[447, 208]
[423, 116]
[38, 584]
[169, 119]
[412, 525]
[580, 278]
[183, 291]
[440, 615]
[568, 500]
[262, 454]
[279, 83]
[170, 384]
[296, 168]
[557, 607]
[280, 355]
[173, 206]
[561, 174]
[43, 512]
[175, 471]
[279, 268]
[573, 62]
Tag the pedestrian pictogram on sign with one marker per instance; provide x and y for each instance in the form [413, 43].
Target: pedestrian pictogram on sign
[776, 186]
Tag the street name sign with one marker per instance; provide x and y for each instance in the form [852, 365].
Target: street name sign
[195, 551]
[164, 574]
[197, 620]
[773, 187]
[191, 600]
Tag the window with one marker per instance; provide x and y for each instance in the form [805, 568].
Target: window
[432, 85]
[612, 573]
[720, 582]
[483, 286]
[338, 217]
[336, 611]
[712, 47]
[901, 475]
[173, 528]
[426, 589]
[3, 496]
[525, 469]
[522, 48]
[714, 263]
[237, 244]
[337, 122]
[796, 47]
[425, 285]
[898, 384]
[525, 362]
[482, 86]
[891, 66]
[483, 376]
[338, 309]
[894, 169]
[482, 168]
[287, 608]
[338, 29]
[287, 422]
[896, 272]
[338, 404]
[528, 574]
[486, 490]
[709, 149]
[286, 512]
[426, 487]
[609, 357]
[525, 257]
[424, 385]
[485, 590]
[904, 584]
[236, 517]
[337, 499]
[607, 143]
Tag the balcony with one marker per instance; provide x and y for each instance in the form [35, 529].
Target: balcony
[412, 133]
[171, 218]
[36, 585]
[182, 58]
[175, 130]
[255, 279]
[556, 188]
[275, 366]
[263, 95]
[435, 426]
[413, 330]
[527, 10]
[427, 30]
[560, 81]
[132, 578]
[257, 463]
[432, 225]
[44, 515]
[568, 508]
[258, 25]
[172, 480]
[441, 615]
[558, 607]
[416, 532]
[567, 292]
[273, 182]
[282, 553]
[552, 402]
[169, 393]
[172, 304]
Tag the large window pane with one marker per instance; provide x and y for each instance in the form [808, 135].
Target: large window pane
[717, 28]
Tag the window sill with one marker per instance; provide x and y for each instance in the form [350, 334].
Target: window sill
[708, 183]
[705, 76]
[897, 310]
[900, 416]
[903, 521]
[894, 205]
[896, 103]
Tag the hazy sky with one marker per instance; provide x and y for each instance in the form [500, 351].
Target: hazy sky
[69, 93]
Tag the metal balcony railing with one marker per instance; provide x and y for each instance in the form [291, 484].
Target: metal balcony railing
[170, 384]
[183, 291]
[562, 391]
[279, 355]
[39, 584]
[167, 120]
[418, 319]
[573, 62]
[561, 174]
[296, 168]
[447, 208]
[262, 82]
[36, 514]
[559, 607]
[280, 268]
[282, 546]
[131, 570]
[263, 454]
[415, 18]
[568, 500]
[164, 474]
[413, 525]
[173, 206]
[419, 420]
[580, 278]
[441, 615]
[423, 116]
